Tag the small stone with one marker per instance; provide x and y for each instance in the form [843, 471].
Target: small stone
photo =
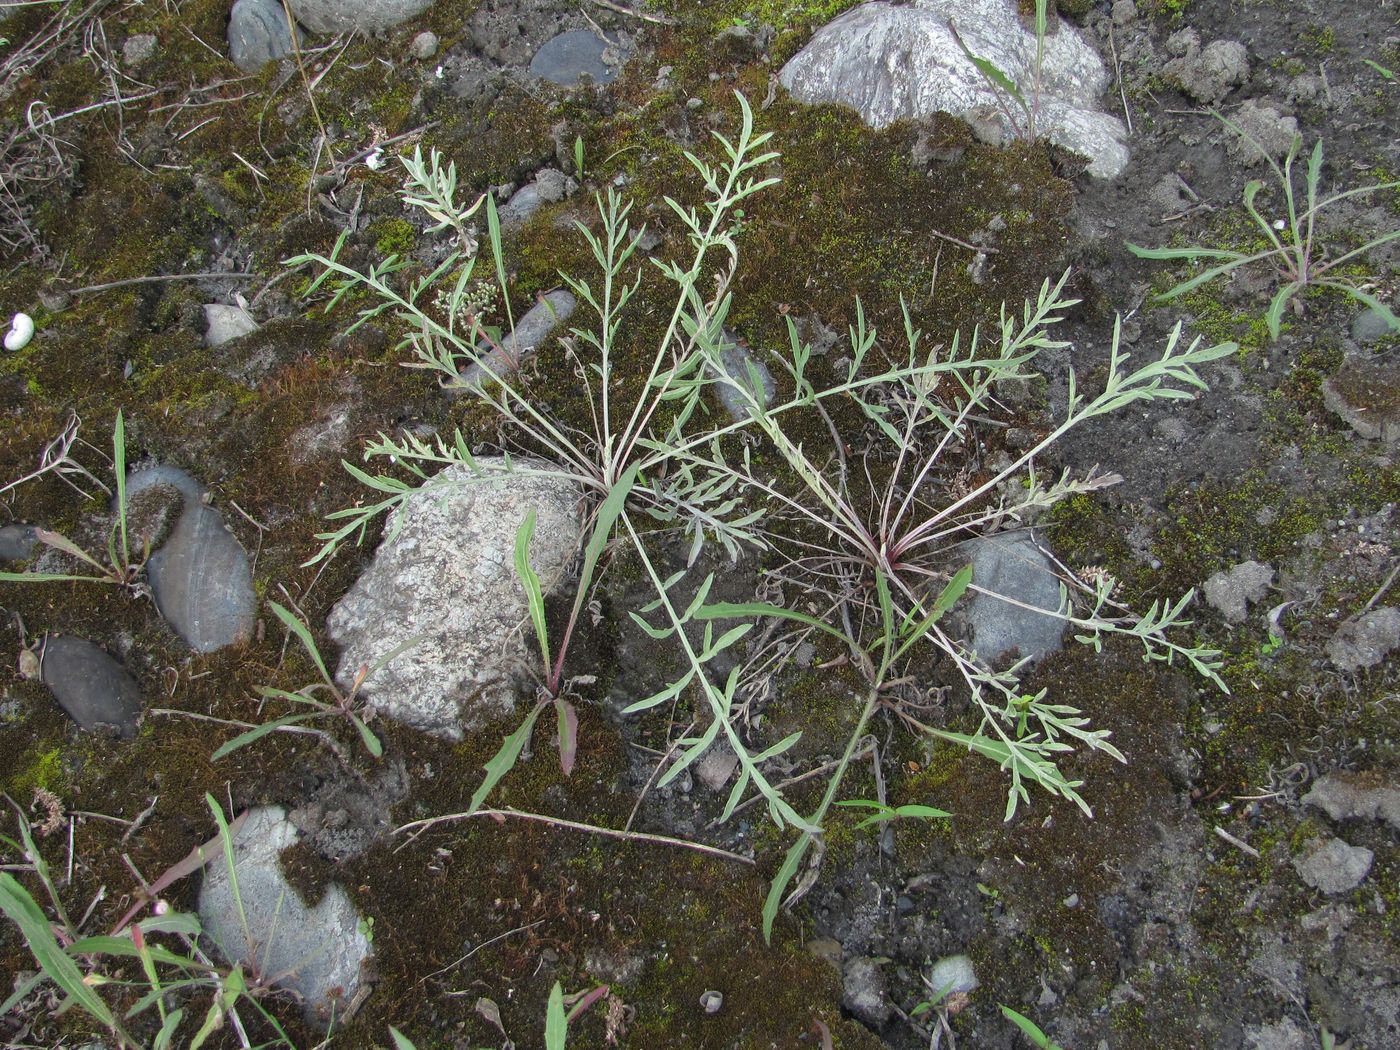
[953, 975]
[1356, 796]
[827, 949]
[139, 48]
[711, 1001]
[17, 542]
[716, 766]
[1125, 12]
[571, 56]
[531, 333]
[863, 983]
[746, 369]
[1209, 75]
[1365, 392]
[1365, 642]
[258, 34]
[1333, 866]
[1263, 132]
[1011, 564]
[223, 323]
[424, 45]
[1370, 325]
[367, 16]
[1232, 590]
[95, 690]
[1281, 1035]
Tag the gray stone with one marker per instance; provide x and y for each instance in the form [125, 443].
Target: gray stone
[895, 63]
[1365, 642]
[953, 975]
[548, 187]
[368, 16]
[91, 686]
[1125, 12]
[1010, 564]
[1333, 866]
[17, 542]
[747, 369]
[1351, 796]
[1365, 392]
[316, 953]
[258, 34]
[1370, 325]
[139, 48]
[716, 766]
[424, 45]
[569, 57]
[445, 575]
[1231, 590]
[864, 995]
[1263, 132]
[200, 576]
[530, 334]
[1209, 74]
[223, 323]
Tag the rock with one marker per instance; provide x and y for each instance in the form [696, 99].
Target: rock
[1010, 564]
[95, 690]
[445, 574]
[344, 16]
[549, 186]
[1351, 796]
[1333, 866]
[1263, 132]
[864, 992]
[1171, 195]
[424, 45]
[1207, 75]
[531, 331]
[827, 949]
[1231, 590]
[953, 975]
[139, 48]
[224, 323]
[316, 953]
[200, 576]
[569, 57]
[17, 542]
[1365, 392]
[1370, 326]
[1365, 642]
[1125, 12]
[896, 63]
[258, 34]
[1281, 1035]
[716, 766]
[747, 369]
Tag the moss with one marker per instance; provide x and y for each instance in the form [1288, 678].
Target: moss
[394, 237]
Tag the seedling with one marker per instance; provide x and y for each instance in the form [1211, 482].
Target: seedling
[1294, 253]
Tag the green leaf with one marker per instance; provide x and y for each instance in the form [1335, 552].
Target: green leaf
[884, 813]
[779, 885]
[503, 761]
[1030, 1028]
[119, 469]
[530, 580]
[25, 913]
[401, 1041]
[371, 742]
[556, 1021]
[257, 733]
[303, 635]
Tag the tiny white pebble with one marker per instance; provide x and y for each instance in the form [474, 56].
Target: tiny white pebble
[21, 331]
[375, 160]
[1279, 224]
[438, 72]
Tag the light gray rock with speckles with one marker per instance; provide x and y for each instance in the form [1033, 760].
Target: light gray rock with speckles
[894, 63]
[445, 575]
[1365, 642]
[1232, 590]
[1333, 866]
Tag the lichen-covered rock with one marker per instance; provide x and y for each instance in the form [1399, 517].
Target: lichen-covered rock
[91, 686]
[1365, 642]
[223, 323]
[446, 577]
[1232, 590]
[1333, 866]
[894, 63]
[1356, 796]
[316, 953]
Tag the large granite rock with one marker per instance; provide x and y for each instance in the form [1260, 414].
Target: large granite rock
[316, 953]
[446, 576]
[894, 63]
[369, 16]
